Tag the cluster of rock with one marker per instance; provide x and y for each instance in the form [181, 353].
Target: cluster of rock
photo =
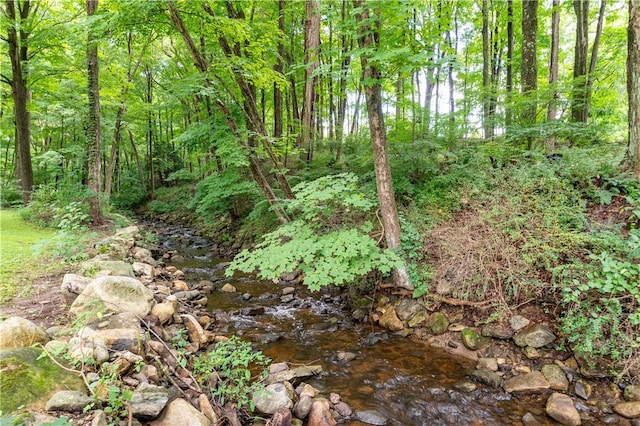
[519, 359]
[127, 306]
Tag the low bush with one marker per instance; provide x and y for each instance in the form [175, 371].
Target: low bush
[329, 240]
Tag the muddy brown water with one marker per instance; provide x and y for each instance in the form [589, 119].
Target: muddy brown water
[404, 379]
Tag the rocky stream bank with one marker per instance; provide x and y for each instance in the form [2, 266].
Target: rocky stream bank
[134, 315]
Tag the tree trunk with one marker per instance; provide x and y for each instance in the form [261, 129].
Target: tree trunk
[553, 69]
[132, 70]
[633, 86]
[594, 57]
[529, 71]
[94, 172]
[311, 60]
[509, 102]
[578, 102]
[17, 39]
[342, 87]
[487, 123]
[278, 67]
[367, 36]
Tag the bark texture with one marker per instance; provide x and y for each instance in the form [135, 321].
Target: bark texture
[17, 41]
[367, 36]
[633, 86]
[94, 167]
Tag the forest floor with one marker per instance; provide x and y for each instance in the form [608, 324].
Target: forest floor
[30, 273]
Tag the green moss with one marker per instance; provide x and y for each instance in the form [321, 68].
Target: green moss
[27, 381]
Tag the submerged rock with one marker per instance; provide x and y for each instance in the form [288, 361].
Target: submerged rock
[371, 417]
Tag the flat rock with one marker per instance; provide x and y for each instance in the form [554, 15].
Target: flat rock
[533, 382]
[371, 417]
[486, 376]
[535, 335]
[518, 322]
[71, 401]
[629, 409]
[497, 331]
[288, 375]
[149, 400]
[104, 265]
[560, 407]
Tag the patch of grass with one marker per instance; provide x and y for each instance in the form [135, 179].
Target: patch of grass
[19, 261]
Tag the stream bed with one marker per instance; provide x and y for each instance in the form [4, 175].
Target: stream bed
[404, 379]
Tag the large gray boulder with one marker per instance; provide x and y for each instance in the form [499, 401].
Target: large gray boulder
[533, 382]
[106, 265]
[18, 332]
[113, 294]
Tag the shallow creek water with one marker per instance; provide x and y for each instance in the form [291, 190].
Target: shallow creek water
[405, 379]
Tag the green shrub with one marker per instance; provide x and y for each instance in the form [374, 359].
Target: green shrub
[10, 193]
[227, 372]
[328, 240]
[603, 312]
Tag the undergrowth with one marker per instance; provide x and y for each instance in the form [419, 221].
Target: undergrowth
[557, 231]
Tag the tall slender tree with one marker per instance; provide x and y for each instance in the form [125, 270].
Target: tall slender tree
[18, 41]
[94, 158]
[633, 86]
[529, 71]
[368, 36]
[553, 67]
[312, 61]
[583, 66]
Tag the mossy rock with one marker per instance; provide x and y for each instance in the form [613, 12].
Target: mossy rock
[473, 340]
[28, 382]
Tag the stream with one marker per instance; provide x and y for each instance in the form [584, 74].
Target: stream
[404, 379]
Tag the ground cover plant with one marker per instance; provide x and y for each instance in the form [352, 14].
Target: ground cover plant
[21, 261]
